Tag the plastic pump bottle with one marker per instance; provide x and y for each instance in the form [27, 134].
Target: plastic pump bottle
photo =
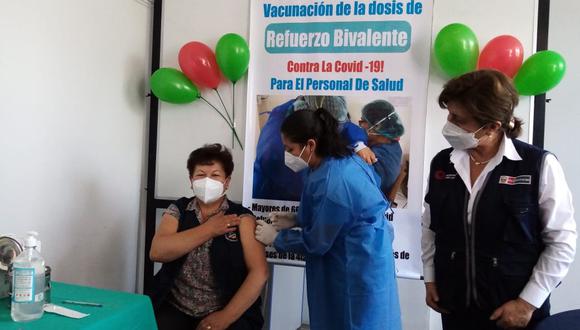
[28, 282]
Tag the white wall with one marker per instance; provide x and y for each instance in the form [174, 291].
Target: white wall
[515, 17]
[183, 128]
[562, 121]
[73, 132]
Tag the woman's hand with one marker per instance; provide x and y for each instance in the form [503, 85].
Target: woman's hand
[283, 220]
[515, 313]
[265, 232]
[220, 224]
[367, 155]
[215, 321]
[432, 297]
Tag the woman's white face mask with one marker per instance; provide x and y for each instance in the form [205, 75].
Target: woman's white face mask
[207, 189]
[296, 163]
[459, 138]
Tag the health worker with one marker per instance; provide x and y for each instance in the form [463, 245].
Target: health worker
[344, 234]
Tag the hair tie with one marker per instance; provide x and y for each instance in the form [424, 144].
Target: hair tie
[318, 106]
[512, 123]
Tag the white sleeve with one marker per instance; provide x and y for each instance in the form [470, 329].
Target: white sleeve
[427, 246]
[558, 234]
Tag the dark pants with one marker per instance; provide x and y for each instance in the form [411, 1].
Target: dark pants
[476, 319]
[170, 318]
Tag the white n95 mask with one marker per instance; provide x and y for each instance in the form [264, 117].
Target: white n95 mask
[459, 138]
[207, 189]
[296, 163]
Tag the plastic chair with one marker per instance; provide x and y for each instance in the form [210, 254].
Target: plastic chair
[569, 320]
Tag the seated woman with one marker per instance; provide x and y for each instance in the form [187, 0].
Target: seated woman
[213, 268]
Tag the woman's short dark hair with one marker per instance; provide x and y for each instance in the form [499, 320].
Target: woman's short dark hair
[318, 125]
[210, 154]
[488, 95]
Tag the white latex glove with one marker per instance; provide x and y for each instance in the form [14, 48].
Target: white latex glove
[265, 232]
[283, 220]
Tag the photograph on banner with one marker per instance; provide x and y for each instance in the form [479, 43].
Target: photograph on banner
[273, 180]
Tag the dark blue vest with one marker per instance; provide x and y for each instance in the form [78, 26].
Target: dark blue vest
[489, 261]
[227, 262]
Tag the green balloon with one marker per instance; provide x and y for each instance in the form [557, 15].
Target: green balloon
[172, 86]
[233, 56]
[540, 73]
[456, 49]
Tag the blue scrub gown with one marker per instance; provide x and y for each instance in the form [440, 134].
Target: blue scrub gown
[353, 133]
[347, 242]
[388, 165]
[273, 179]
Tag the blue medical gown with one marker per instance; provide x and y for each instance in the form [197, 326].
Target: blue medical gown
[272, 178]
[388, 165]
[347, 243]
[388, 155]
[353, 133]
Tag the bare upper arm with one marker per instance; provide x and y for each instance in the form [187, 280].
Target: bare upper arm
[168, 226]
[254, 251]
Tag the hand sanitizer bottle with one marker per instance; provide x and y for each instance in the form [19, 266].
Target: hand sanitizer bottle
[28, 282]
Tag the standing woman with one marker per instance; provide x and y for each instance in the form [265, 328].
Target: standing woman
[498, 229]
[344, 234]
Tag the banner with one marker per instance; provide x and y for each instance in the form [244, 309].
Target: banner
[362, 50]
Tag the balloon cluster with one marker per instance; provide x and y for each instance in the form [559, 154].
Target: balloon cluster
[457, 52]
[200, 67]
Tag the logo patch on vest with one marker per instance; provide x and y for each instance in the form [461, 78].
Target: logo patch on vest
[441, 175]
[514, 180]
[232, 237]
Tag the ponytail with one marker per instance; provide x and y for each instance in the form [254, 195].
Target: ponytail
[318, 125]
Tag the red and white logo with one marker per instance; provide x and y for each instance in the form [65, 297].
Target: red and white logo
[441, 175]
[514, 180]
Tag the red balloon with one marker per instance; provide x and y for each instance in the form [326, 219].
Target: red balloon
[198, 63]
[504, 53]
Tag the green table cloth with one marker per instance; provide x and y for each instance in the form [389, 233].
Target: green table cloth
[120, 310]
